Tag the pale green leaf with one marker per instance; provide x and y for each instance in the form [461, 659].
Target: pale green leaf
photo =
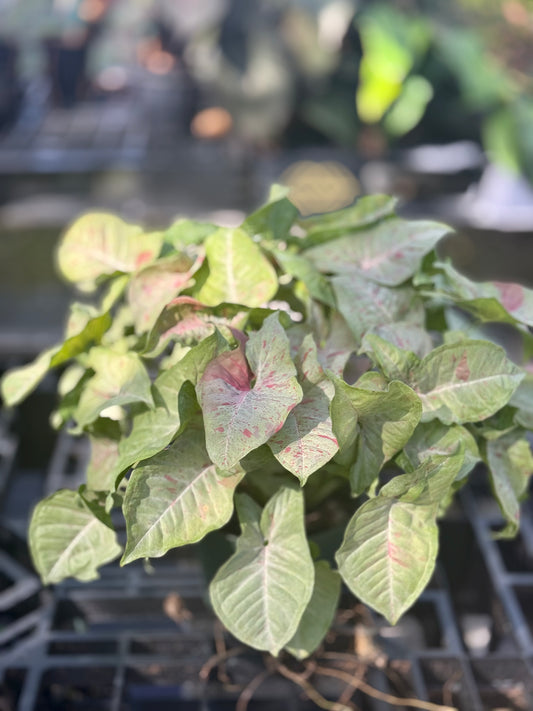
[18, 383]
[102, 463]
[510, 466]
[176, 498]
[430, 483]
[365, 212]
[407, 336]
[306, 441]
[522, 399]
[186, 232]
[388, 554]
[238, 271]
[393, 361]
[465, 382]
[260, 594]
[301, 268]
[154, 429]
[366, 305]
[67, 540]
[319, 613]
[153, 287]
[434, 438]
[388, 253]
[120, 379]
[386, 420]
[99, 244]
[240, 414]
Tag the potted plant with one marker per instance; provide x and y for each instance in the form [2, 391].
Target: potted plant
[290, 382]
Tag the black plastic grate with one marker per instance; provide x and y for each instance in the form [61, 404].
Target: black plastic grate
[137, 638]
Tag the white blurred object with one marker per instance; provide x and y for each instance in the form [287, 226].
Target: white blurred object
[500, 201]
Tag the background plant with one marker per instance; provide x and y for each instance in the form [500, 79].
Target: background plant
[319, 389]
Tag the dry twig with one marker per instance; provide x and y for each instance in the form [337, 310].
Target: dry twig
[381, 695]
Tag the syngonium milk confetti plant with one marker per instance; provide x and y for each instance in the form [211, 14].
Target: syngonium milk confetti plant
[251, 379]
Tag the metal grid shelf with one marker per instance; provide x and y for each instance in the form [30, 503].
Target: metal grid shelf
[137, 638]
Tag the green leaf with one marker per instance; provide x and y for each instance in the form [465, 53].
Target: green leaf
[152, 288]
[120, 379]
[388, 554]
[319, 613]
[394, 362]
[101, 466]
[273, 220]
[386, 421]
[434, 438]
[262, 591]
[238, 271]
[154, 429]
[365, 212]
[241, 415]
[99, 244]
[18, 383]
[185, 232]
[407, 336]
[67, 540]
[510, 465]
[388, 253]
[176, 498]
[335, 349]
[522, 399]
[465, 382]
[430, 483]
[306, 441]
[301, 268]
[366, 305]
[489, 300]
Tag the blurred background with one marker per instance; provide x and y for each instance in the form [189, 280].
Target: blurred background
[159, 108]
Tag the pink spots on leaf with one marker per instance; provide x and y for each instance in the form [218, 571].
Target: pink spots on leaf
[511, 295]
[462, 371]
[393, 554]
[171, 479]
[219, 429]
[247, 433]
[230, 367]
[143, 258]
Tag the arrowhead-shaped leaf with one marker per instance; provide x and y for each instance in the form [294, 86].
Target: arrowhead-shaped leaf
[273, 220]
[388, 554]
[510, 466]
[319, 613]
[262, 591]
[100, 244]
[366, 305]
[465, 382]
[365, 212]
[152, 288]
[388, 253]
[306, 440]
[176, 498]
[241, 415]
[154, 429]
[489, 300]
[120, 379]
[239, 273]
[20, 382]
[386, 419]
[68, 540]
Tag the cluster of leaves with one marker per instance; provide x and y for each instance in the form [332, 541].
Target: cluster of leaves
[261, 375]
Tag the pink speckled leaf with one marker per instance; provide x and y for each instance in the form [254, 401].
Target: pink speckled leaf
[388, 553]
[240, 414]
[306, 441]
[152, 288]
[388, 253]
[99, 244]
